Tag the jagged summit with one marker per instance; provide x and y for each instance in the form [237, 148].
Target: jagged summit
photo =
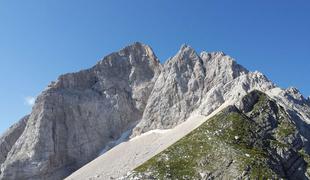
[209, 55]
[185, 55]
[134, 50]
[182, 85]
[185, 48]
[294, 91]
[137, 46]
[81, 112]
[126, 94]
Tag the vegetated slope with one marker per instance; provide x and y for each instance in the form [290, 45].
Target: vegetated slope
[230, 93]
[258, 140]
[82, 113]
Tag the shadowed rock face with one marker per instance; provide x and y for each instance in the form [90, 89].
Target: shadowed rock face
[81, 113]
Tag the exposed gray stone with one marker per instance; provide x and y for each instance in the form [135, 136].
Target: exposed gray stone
[183, 84]
[8, 139]
[81, 113]
[268, 146]
[76, 116]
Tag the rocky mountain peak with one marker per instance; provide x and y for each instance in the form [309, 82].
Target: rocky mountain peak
[294, 94]
[292, 90]
[84, 112]
[212, 55]
[186, 48]
[136, 53]
[135, 60]
[139, 49]
[181, 87]
[184, 57]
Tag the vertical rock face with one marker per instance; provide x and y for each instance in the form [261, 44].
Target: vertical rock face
[8, 139]
[181, 87]
[77, 115]
[80, 113]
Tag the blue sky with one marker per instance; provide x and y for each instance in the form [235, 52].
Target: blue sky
[39, 40]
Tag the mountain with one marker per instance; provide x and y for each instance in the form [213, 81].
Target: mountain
[259, 139]
[129, 96]
[78, 114]
[180, 89]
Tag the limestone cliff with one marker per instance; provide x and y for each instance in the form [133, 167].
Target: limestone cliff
[81, 113]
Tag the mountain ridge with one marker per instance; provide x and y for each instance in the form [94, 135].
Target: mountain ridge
[81, 113]
[259, 141]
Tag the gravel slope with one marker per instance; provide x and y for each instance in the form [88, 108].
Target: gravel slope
[128, 155]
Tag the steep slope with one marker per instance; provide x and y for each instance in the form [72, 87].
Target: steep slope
[80, 113]
[192, 85]
[258, 141]
[129, 155]
[182, 85]
[134, 152]
[9, 138]
[129, 91]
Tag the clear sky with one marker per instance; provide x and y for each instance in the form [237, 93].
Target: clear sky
[40, 39]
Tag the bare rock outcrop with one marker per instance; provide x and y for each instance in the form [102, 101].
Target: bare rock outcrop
[79, 114]
[181, 87]
[9, 138]
[258, 140]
